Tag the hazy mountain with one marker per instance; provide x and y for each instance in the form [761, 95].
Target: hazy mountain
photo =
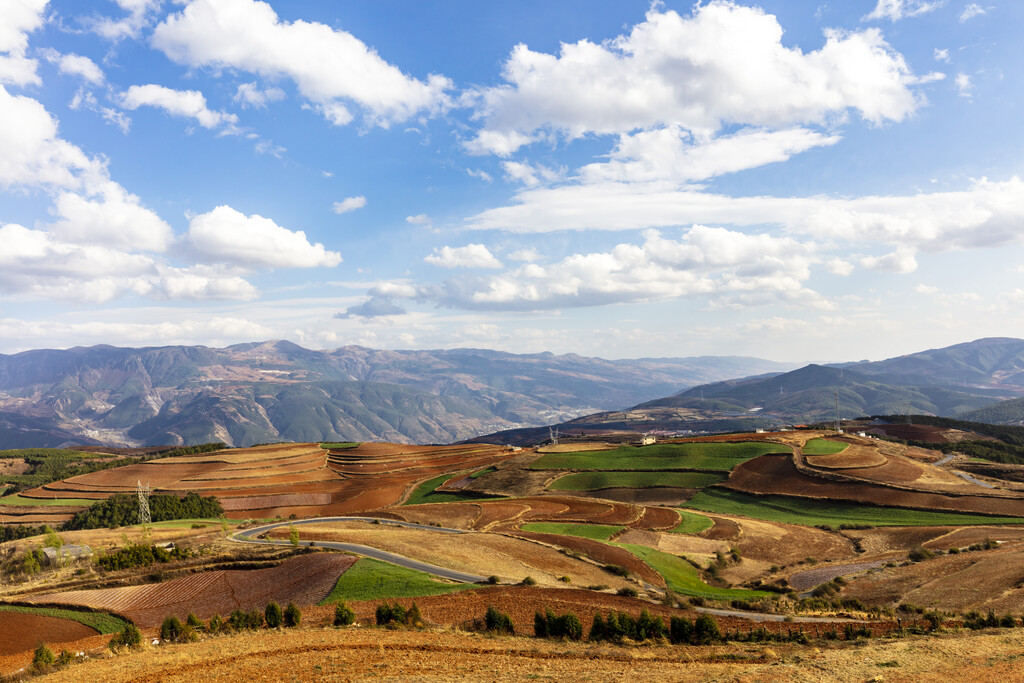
[277, 390]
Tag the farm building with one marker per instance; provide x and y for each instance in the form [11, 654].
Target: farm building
[66, 553]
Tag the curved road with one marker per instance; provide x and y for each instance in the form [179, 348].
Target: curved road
[256, 535]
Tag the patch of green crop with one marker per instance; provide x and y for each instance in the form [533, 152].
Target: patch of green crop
[591, 481]
[427, 492]
[15, 499]
[339, 445]
[597, 532]
[706, 455]
[683, 578]
[692, 523]
[809, 512]
[824, 447]
[101, 621]
[370, 579]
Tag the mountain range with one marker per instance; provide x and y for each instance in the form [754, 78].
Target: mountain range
[279, 391]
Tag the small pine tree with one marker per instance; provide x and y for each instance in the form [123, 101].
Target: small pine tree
[498, 622]
[130, 638]
[343, 615]
[540, 625]
[171, 630]
[292, 615]
[413, 617]
[705, 630]
[42, 658]
[194, 621]
[52, 539]
[273, 615]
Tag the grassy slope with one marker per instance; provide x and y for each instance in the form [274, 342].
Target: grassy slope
[683, 578]
[590, 481]
[15, 499]
[792, 510]
[102, 622]
[824, 447]
[370, 579]
[598, 532]
[701, 456]
[692, 523]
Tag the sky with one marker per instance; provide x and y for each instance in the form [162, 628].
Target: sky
[783, 179]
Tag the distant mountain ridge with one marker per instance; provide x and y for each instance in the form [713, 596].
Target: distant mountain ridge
[280, 391]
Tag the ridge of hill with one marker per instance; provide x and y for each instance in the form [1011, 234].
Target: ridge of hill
[280, 391]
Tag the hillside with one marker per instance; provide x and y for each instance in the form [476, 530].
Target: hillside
[279, 391]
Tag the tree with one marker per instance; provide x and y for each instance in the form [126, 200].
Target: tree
[171, 629]
[343, 615]
[293, 535]
[292, 615]
[42, 658]
[273, 615]
[130, 638]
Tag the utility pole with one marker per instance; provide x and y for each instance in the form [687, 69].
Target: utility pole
[143, 491]
[838, 428]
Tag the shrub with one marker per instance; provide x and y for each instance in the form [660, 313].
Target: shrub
[648, 627]
[194, 621]
[292, 615]
[598, 629]
[272, 615]
[42, 658]
[617, 570]
[680, 630]
[540, 624]
[293, 535]
[171, 629]
[705, 630]
[130, 638]
[343, 615]
[529, 581]
[240, 620]
[918, 554]
[493, 580]
[390, 614]
[498, 622]
[627, 592]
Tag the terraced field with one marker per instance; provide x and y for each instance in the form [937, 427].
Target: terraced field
[713, 456]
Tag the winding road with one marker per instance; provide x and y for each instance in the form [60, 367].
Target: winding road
[258, 535]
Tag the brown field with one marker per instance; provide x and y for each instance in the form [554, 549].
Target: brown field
[774, 474]
[9, 466]
[305, 579]
[655, 495]
[599, 552]
[578, 447]
[855, 456]
[23, 632]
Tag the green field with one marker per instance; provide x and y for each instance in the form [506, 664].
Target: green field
[598, 532]
[370, 579]
[339, 445]
[15, 499]
[808, 512]
[683, 578]
[101, 621]
[591, 481]
[720, 457]
[824, 447]
[692, 523]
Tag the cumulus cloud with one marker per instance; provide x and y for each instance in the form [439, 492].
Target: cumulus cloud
[418, 219]
[727, 267]
[970, 11]
[74, 65]
[349, 204]
[225, 235]
[130, 26]
[84, 99]
[469, 256]
[901, 261]
[18, 18]
[530, 175]
[374, 307]
[941, 55]
[250, 95]
[894, 10]
[725, 64]
[115, 218]
[964, 85]
[331, 68]
[186, 103]
[838, 266]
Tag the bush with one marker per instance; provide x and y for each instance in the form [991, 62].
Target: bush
[917, 554]
[130, 638]
[240, 620]
[493, 580]
[171, 629]
[343, 615]
[42, 658]
[680, 630]
[627, 592]
[272, 615]
[648, 627]
[390, 614]
[705, 630]
[194, 622]
[292, 615]
[498, 622]
[216, 624]
[529, 581]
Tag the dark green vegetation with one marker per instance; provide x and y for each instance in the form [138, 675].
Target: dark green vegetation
[824, 447]
[52, 464]
[683, 578]
[339, 445]
[101, 621]
[370, 579]
[620, 625]
[427, 491]
[592, 481]
[809, 512]
[123, 510]
[394, 614]
[140, 555]
[498, 622]
[1009, 448]
[597, 532]
[714, 456]
[547, 624]
[14, 532]
[692, 523]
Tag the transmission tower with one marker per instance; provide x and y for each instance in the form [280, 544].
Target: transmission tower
[838, 428]
[143, 491]
[553, 433]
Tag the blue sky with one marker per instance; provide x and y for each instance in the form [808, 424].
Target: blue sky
[622, 179]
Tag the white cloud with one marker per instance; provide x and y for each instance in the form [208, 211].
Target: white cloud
[225, 235]
[374, 307]
[901, 261]
[200, 283]
[530, 175]
[469, 256]
[926, 289]
[963, 84]
[723, 65]
[187, 103]
[838, 266]
[970, 11]
[478, 173]
[331, 67]
[349, 204]
[130, 26]
[985, 214]
[18, 18]
[894, 10]
[249, 95]
[941, 55]
[85, 99]
[418, 219]
[528, 255]
[116, 218]
[75, 65]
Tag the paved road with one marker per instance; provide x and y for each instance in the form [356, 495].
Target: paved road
[963, 475]
[254, 536]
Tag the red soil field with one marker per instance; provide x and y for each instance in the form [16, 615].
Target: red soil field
[774, 474]
[304, 580]
[599, 552]
[656, 519]
[23, 632]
